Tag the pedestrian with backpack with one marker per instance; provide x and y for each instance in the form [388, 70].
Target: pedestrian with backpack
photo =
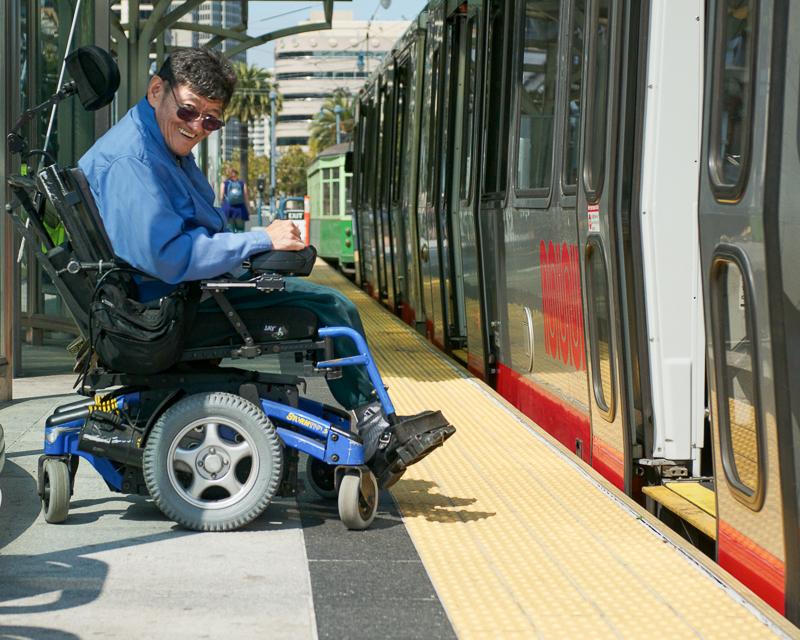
[234, 201]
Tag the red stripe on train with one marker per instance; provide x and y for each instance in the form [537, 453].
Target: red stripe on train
[560, 420]
[608, 462]
[753, 565]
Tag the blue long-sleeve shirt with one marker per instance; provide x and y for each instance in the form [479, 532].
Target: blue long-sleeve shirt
[158, 208]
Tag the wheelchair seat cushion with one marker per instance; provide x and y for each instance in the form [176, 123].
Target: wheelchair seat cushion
[289, 263]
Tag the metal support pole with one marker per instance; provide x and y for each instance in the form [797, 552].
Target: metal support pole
[338, 111]
[273, 153]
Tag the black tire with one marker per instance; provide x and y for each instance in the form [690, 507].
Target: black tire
[358, 500]
[321, 477]
[57, 489]
[213, 462]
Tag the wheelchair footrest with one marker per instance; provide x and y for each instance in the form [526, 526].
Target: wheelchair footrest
[413, 438]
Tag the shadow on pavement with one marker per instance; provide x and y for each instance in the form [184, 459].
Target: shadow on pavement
[21, 504]
[34, 633]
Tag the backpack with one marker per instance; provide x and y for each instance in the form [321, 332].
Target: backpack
[235, 192]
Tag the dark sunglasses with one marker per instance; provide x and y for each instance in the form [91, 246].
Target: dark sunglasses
[188, 113]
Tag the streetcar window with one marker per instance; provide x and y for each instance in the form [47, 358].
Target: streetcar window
[538, 78]
[469, 106]
[597, 97]
[401, 88]
[433, 155]
[737, 376]
[732, 97]
[497, 101]
[348, 186]
[573, 111]
[600, 329]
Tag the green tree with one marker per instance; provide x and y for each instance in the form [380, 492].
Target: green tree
[323, 127]
[291, 171]
[250, 102]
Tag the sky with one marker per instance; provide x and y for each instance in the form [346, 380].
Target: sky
[269, 16]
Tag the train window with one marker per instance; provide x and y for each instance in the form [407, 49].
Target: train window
[737, 376]
[468, 121]
[538, 78]
[600, 328]
[430, 168]
[401, 87]
[348, 182]
[496, 108]
[573, 112]
[597, 100]
[731, 103]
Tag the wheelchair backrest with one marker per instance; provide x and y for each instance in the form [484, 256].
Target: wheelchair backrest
[68, 191]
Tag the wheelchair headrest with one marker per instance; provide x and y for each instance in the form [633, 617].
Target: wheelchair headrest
[288, 263]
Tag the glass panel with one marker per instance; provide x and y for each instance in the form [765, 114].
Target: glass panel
[600, 320]
[574, 96]
[733, 92]
[348, 182]
[738, 395]
[400, 132]
[598, 102]
[496, 102]
[336, 204]
[430, 166]
[539, 76]
[469, 106]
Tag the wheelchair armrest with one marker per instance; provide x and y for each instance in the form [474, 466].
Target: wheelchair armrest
[288, 263]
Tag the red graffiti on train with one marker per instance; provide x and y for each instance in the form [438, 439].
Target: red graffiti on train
[561, 303]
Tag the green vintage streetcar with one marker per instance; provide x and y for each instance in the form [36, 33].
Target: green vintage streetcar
[331, 224]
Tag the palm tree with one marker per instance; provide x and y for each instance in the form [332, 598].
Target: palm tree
[250, 102]
[323, 127]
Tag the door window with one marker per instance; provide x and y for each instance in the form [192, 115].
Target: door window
[732, 98]
[538, 80]
[600, 328]
[597, 99]
[574, 85]
[737, 371]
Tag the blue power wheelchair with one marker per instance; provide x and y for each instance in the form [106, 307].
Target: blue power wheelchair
[211, 445]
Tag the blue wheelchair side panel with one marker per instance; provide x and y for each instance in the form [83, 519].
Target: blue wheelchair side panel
[316, 436]
[62, 440]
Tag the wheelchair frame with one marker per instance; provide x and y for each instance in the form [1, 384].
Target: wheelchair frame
[75, 266]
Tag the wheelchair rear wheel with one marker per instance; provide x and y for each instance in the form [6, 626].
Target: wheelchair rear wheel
[213, 462]
[322, 478]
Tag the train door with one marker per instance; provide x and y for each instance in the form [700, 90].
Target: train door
[748, 216]
[491, 183]
[366, 267]
[401, 105]
[464, 193]
[598, 198]
[426, 206]
[385, 170]
[448, 182]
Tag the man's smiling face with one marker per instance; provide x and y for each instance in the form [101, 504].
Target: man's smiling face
[181, 137]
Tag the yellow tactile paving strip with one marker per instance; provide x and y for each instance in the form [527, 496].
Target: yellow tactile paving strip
[522, 540]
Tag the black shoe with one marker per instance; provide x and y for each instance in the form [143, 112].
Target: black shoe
[370, 426]
[406, 443]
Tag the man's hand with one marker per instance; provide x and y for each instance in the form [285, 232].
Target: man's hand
[285, 236]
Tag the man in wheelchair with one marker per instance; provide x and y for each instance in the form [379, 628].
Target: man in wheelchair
[158, 212]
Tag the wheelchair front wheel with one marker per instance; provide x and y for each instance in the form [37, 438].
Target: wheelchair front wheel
[213, 462]
[358, 499]
[57, 490]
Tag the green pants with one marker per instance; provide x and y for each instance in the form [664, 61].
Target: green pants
[331, 308]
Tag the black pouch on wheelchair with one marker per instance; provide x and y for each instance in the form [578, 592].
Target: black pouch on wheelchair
[132, 337]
